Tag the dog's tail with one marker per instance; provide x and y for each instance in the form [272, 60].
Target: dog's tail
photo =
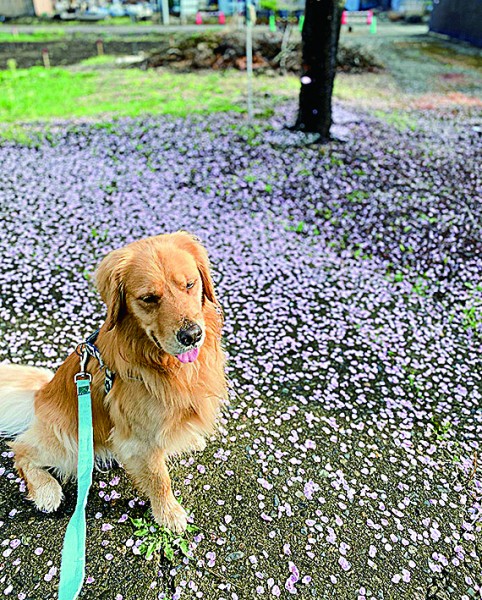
[18, 385]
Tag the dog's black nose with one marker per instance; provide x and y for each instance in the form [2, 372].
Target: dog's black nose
[190, 335]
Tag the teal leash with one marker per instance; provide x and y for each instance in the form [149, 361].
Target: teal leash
[72, 569]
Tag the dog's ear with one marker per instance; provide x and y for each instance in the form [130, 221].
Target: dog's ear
[109, 279]
[191, 244]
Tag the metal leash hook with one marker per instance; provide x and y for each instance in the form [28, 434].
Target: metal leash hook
[83, 357]
[83, 375]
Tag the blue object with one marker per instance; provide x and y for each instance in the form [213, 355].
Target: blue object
[117, 10]
[72, 569]
[228, 7]
[352, 5]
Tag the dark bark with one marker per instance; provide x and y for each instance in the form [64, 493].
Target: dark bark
[320, 35]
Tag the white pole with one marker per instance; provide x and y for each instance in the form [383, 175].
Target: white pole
[165, 11]
[249, 58]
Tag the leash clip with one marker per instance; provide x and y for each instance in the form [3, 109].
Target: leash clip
[88, 349]
[83, 353]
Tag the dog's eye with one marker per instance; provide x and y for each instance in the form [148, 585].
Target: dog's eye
[150, 299]
[190, 285]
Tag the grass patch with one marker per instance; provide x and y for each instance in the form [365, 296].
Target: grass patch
[375, 88]
[43, 94]
[95, 88]
[20, 135]
[120, 21]
[401, 121]
[37, 36]
[35, 94]
[102, 60]
[54, 23]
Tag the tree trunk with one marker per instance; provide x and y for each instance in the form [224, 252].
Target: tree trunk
[321, 31]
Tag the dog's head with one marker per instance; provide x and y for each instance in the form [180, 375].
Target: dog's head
[162, 282]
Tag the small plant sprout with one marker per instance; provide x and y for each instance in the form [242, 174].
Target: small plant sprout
[158, 539]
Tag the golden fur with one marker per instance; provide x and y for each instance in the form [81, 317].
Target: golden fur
[158, 405]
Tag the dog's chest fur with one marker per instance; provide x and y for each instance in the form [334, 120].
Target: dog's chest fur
[174, 414]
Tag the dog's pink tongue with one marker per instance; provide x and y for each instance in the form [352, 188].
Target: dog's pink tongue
[190, 356]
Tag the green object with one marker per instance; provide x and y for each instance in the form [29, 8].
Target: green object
[272, 23]
[301, 22]
[72, 569]
[373, 26]
[36, 94]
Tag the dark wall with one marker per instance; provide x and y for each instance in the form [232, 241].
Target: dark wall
[461, 19]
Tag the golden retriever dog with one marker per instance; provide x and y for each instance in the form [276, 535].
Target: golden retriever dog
[162, 340]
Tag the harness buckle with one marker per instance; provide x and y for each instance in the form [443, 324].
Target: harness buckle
[81, 376]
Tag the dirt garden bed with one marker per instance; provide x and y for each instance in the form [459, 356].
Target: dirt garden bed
[271, 50]
[217, 50]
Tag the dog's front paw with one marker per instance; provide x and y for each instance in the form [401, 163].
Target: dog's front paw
[171, 515]
[48, 495]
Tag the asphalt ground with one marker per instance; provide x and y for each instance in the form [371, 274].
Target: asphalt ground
[347, 460]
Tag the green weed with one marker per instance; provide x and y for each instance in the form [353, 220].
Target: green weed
[102, 236]
[251, 134]
[396, 277]
[296, 228]
[160, 539]
[249, 178]
[471, 317]
[441, 428]
[472, 312]
[336, 162]
[357, 196]
[325, 212]
[425, 217]
[358, 253]
[359, 172]
[265, 113]
[420, 287]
